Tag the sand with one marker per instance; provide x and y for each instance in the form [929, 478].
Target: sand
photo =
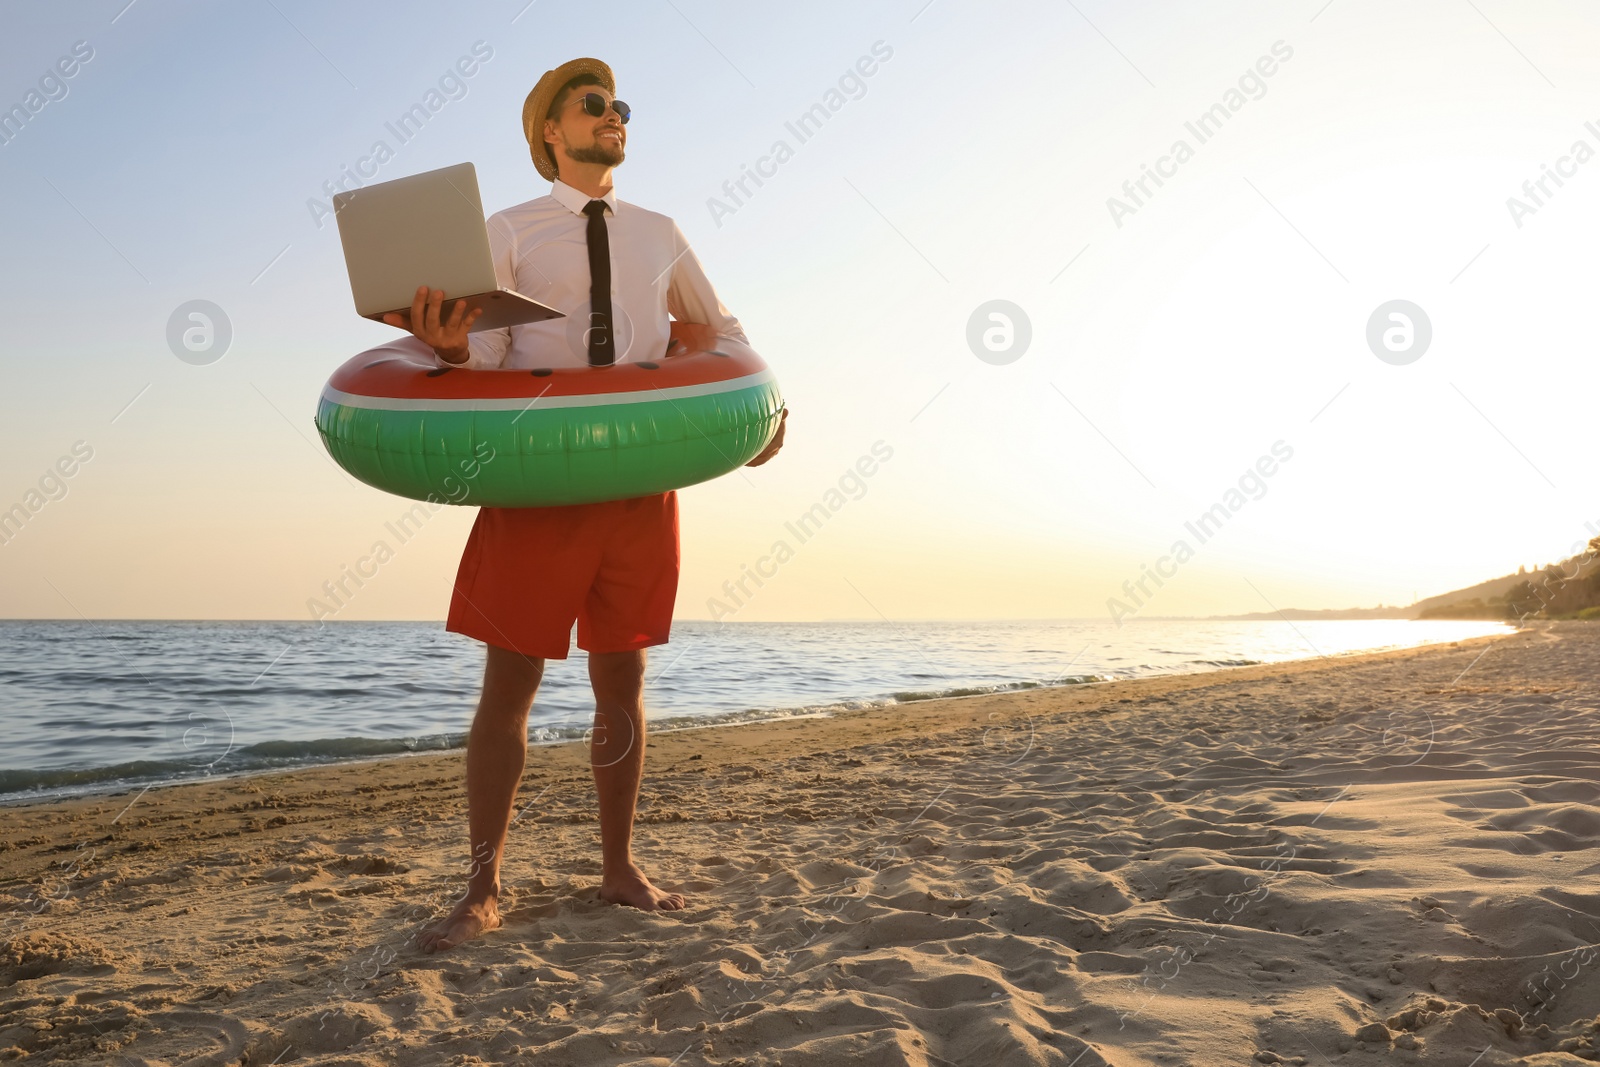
[1333, 861]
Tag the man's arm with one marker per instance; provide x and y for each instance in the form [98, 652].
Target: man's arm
[690, 297]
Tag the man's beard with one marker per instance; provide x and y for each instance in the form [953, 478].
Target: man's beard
[607, 155]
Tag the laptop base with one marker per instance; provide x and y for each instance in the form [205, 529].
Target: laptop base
[501, 308]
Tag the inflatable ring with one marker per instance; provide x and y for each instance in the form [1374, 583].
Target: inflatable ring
[395, 419]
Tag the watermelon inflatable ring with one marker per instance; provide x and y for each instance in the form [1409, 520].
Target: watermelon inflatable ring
[397, 420]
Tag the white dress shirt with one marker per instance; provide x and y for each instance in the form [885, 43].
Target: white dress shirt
[541, 250]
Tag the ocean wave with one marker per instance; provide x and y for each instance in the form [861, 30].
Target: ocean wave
[349, 747]
[84, 779]
[189, 690]
[27, 785]
[912, 695]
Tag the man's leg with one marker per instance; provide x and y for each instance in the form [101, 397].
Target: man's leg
[616, 753]
[496, 750]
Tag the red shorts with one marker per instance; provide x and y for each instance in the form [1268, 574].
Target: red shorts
[528, 573]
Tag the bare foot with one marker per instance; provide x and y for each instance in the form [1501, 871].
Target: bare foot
[631, 887]
[470, 918]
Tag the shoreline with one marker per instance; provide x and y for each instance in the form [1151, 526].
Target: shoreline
[933, 707]
[122, 787]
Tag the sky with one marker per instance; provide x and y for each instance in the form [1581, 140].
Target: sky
[1220, 338]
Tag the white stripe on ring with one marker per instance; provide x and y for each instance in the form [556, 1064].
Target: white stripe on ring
[517, 403]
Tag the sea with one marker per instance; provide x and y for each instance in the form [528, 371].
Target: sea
[107, 707]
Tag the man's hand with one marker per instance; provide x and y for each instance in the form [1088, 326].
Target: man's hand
[776, 442]
[448, 338]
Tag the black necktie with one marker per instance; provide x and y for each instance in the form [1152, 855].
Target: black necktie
[602, 346]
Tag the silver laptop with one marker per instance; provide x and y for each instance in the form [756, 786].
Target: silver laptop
[426, 229]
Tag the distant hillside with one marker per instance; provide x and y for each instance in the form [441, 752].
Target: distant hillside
[1483, 592]
[1569, 589]
[1379, 612]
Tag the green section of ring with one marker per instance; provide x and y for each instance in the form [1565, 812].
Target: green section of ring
[543, 457]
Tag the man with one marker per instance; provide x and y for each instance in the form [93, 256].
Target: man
[617, 271]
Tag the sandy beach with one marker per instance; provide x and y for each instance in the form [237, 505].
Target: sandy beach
[1327, 861]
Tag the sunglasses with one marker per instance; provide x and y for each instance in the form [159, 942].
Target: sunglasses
[594, 105]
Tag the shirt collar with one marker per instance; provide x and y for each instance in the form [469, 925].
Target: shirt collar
[574, 200]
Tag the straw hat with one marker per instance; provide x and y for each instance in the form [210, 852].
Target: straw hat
[544, 94]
